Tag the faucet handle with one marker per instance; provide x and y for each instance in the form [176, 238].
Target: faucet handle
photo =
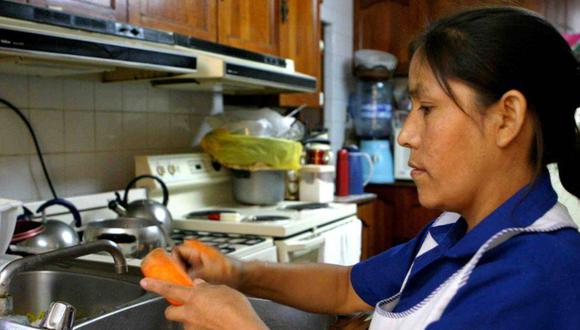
[60, 316]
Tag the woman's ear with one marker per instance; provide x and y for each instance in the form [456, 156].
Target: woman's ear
[511, 112]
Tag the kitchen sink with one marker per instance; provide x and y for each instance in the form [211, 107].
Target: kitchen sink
[150, 315]
[92, 288]
[91, 295]
[105, 300]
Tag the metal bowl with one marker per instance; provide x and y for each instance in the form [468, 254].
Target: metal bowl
[135, 236]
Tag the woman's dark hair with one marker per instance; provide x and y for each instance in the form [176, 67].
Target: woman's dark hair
[497, 49]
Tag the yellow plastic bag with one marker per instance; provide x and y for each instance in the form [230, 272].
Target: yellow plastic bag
[252, 152]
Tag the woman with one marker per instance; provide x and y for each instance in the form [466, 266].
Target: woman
[494, 94]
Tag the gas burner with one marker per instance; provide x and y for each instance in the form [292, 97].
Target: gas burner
[225, 243]
[309, 206]
[207, 213]
[260, 218]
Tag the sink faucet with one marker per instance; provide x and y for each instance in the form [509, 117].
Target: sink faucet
[29, 262]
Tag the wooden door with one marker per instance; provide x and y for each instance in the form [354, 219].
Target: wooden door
[196, 18]
[107, 9]
[300, 29]
[251, 25]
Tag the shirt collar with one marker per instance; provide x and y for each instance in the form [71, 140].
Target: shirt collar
[520, 210]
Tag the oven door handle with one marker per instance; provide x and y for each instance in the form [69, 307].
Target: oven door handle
[301, 245]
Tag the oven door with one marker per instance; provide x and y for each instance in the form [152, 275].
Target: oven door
[302, 248]
[336, 243]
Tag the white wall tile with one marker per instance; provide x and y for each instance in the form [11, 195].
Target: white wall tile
[109, 131]
[198, 128]
[120, 169]
[336, 134]
[80, 173]
[135, 96]
[79, 94]
[181, 133]
[16, 179]
[109, 96]
[49, 127]
[158, 130]
[56, 169]
[157, 100]
[134, 131]
[79, 128]
[14, 89]
[180, 101]
[14, 137]
[338, 14]
[336, 112]
[45, 93]
[206, 103]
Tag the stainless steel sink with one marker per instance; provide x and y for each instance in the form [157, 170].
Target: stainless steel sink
[91, 295]
[150, 315]
[105, 300]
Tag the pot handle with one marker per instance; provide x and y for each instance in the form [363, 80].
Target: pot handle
[158, 179]
[63, 202]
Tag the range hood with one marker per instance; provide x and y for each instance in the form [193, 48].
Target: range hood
[39, 41]
[230, 75]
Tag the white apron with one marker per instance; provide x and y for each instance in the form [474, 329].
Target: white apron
[431, 308]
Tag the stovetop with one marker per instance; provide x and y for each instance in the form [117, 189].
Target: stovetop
[225, 243]
[286, 219]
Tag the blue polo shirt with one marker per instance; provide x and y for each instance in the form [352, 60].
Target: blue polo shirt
[532, 281]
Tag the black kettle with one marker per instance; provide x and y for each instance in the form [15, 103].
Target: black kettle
[144, 208]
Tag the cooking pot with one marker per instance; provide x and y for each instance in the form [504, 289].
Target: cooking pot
[39, 237]
[258, 187]
[135, 237]
[144, 208]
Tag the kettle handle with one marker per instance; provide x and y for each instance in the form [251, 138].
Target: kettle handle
[62, 202]
[371, 167]
[158, 179]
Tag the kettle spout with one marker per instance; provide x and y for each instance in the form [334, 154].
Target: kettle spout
[117, 206]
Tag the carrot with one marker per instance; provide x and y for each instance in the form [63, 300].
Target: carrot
[209, 251]
[158, 264]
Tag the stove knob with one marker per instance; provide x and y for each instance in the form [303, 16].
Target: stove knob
[171, 169]
[160, 170]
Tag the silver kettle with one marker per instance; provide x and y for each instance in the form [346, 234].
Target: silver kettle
[144, 208]
[52, 234]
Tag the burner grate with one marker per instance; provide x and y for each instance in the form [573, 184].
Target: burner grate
[225, 243]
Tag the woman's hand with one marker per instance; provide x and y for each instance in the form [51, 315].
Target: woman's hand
[202, 261]
[206, 306]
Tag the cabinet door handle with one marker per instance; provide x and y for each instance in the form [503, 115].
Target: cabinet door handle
[284, 11]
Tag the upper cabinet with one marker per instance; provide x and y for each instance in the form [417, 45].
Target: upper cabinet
[196, 18]
[107, 9]
[300, 30]
[251, 25]
[390, 25]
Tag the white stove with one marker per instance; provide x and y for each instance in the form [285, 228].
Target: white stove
[200, 192]
[275, 221]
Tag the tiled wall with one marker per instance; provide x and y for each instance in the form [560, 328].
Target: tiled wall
[337, 16]
[90, 131]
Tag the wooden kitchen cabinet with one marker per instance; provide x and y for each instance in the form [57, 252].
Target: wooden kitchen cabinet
[390, 25]
[393, 218]
[196, 18]
[300, 34]
[251, 25]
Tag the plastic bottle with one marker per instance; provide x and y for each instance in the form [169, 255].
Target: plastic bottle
[373, 109]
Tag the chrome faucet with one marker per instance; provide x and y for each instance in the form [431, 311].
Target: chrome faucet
[26, 263]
